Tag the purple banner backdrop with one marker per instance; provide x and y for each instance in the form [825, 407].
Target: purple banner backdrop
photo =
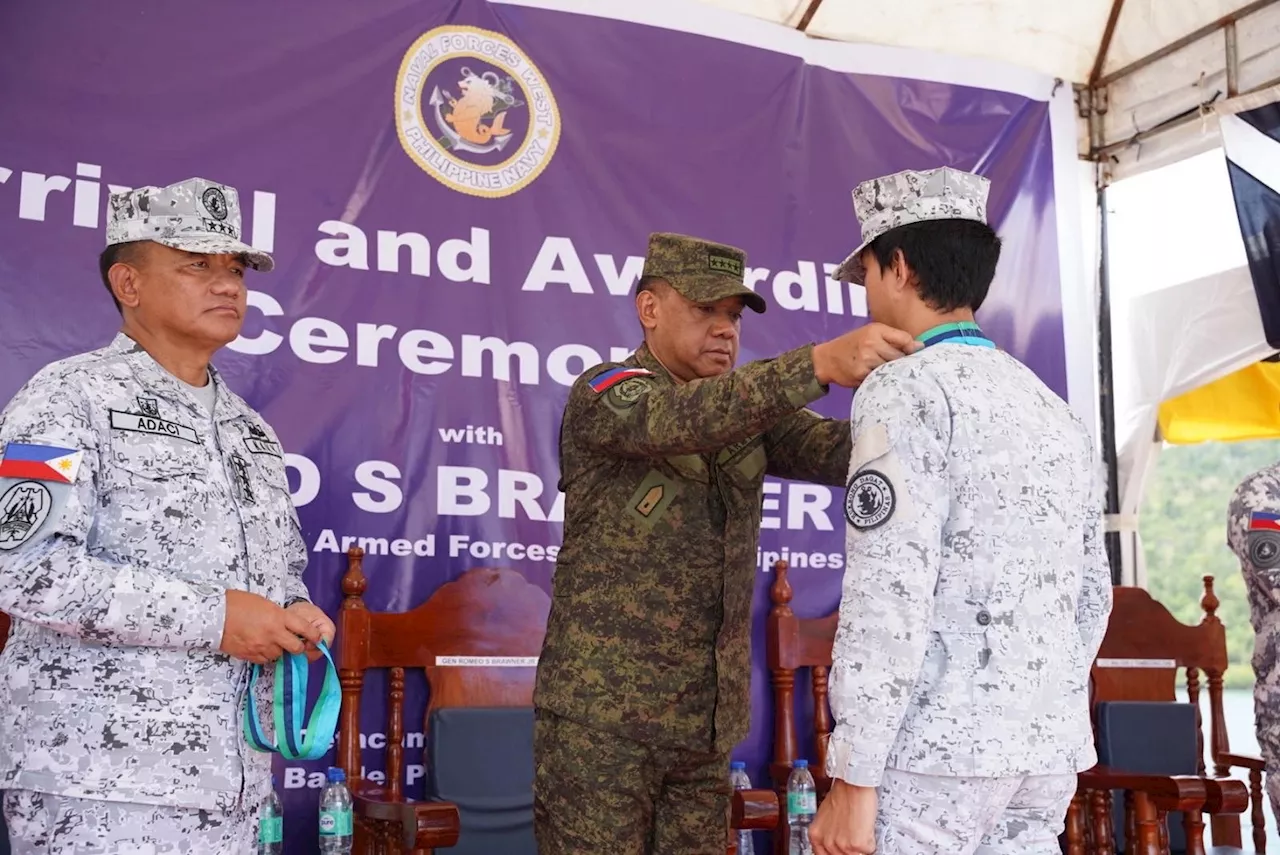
[440, 283]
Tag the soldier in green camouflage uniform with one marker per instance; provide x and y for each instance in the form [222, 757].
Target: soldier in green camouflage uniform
[644, 677]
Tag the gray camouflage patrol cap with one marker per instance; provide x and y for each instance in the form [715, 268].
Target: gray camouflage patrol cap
[882, 204]
[700, 270]
[195, 215]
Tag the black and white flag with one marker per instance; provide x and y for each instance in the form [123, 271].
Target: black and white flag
[1251, 140]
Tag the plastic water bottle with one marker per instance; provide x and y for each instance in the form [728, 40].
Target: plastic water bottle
[802, 804]
[271, 824]
[738, 778]
[335, 815]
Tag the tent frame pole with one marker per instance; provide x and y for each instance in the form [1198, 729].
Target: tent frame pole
[1093, 104]
[1177, 45]
[1106, 388]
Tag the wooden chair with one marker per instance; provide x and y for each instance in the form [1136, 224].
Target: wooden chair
[752, 810]
[386, 821]
[1138, 662]
[793, 644]
[483, 613]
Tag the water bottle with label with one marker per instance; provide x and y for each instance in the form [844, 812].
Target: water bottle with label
[738, 778]
[335, 815]
[802, 804]
[271, 824]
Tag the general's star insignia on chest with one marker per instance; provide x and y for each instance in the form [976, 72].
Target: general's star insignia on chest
[240, 478]
[869, 501]
[23, 509]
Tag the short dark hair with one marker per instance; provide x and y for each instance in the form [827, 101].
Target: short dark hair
[115, 254]
[954, 261]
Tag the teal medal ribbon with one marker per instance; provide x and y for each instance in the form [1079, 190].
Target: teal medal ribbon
[290, 699]
[963, 332]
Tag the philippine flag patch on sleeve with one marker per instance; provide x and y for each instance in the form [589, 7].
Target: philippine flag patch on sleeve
[40, 463]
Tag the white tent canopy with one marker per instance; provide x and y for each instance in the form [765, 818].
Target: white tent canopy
[1157, 63]
[1150, 77]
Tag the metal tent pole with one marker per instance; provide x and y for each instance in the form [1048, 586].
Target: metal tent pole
[1106, 386]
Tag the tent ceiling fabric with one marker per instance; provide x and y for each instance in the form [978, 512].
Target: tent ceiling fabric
[1062, 40]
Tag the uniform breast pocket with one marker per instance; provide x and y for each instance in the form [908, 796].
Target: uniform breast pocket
[271, 482]
[744, 464]
[155, 482]
[272, 507]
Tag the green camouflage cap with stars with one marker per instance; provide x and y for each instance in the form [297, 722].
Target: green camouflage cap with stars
[700, 270]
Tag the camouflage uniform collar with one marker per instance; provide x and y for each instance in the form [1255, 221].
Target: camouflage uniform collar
[645, 359]
[154, 377]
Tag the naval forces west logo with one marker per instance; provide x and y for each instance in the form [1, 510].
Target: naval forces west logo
[474, 112]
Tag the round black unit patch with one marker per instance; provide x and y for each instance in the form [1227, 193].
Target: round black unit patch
[869, 501]
[215, 203]
[1264, 549]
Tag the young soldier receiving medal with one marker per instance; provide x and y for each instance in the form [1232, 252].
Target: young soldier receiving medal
[976, 588]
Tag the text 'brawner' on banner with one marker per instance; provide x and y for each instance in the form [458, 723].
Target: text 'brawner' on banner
[472, 491]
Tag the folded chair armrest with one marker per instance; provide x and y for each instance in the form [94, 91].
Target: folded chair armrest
[755, 810]
[1167, 792]
[1242, 761]
[423, 825]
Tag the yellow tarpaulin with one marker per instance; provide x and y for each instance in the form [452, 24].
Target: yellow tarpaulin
[1241, 406]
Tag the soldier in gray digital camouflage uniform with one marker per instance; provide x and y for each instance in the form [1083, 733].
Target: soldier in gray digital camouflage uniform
[976, 588]
[1253, 533]
[149, 551]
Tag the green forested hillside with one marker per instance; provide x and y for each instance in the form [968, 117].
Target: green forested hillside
[1183, 526]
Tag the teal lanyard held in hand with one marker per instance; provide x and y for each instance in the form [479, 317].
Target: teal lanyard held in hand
[290, 699]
